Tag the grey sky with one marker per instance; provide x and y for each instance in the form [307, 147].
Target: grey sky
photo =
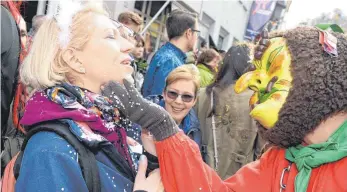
[301, 10]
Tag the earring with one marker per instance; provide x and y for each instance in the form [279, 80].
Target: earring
[82, 70]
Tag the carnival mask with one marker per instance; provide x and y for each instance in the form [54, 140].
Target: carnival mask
[270, 79]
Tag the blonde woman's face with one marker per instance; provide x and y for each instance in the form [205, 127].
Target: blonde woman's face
[105, 57]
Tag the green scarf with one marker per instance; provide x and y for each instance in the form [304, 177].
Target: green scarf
[308, 157]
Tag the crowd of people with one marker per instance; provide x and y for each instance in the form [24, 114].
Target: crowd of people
[86, 107]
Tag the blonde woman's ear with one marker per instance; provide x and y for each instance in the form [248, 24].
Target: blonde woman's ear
[82, 70]
[70, 58]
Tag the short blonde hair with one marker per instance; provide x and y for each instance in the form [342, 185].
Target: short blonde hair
[44, 66]
[185, 72]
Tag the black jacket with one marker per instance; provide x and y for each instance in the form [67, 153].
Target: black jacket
[10, 50]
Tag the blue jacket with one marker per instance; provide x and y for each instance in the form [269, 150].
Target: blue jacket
[61, 170]
[190, 124]
[166, 59]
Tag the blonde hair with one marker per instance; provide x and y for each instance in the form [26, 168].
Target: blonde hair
[44, 65]
[185, 72]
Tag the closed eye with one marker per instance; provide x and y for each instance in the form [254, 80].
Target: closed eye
[111, 33]
[110, 37]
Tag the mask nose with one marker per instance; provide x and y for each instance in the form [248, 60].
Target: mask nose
[258, 82]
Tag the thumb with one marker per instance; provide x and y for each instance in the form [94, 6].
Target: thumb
[141, 174]
[129, 86]
[109, 87]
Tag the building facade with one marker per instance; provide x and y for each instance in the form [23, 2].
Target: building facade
[221, 22]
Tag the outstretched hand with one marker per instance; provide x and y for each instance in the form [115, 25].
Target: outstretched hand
[139, 110]
[150, 184]
[131, 141]
[148, 142]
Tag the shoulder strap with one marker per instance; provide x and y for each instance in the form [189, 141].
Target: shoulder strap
[120, 163]
[118, 160]
[214, 133]
[86, 158]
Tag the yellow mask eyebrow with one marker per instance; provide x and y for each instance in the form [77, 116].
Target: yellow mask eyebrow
[272, 56]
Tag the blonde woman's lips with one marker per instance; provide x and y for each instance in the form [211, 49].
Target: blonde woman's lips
[126, 61]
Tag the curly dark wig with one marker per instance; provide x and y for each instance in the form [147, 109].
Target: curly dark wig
[319, 87]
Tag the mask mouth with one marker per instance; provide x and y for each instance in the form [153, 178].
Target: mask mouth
[253, 88]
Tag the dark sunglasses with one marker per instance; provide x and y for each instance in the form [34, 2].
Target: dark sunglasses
[185, 97]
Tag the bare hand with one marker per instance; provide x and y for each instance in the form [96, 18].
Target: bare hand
[152, 183]
[131, 141]
[148, 142]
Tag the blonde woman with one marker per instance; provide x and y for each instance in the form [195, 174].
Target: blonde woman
[72, 55]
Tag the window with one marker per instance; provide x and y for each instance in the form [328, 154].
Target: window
[206, 26]
[203, 33]
[220, 42]
[223, 38]
[139, 4]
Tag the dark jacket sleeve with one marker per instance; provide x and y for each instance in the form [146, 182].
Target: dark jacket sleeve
[10, 49]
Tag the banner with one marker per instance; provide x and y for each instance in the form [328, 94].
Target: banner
[260, 14]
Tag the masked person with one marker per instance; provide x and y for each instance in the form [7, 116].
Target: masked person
[300, 104]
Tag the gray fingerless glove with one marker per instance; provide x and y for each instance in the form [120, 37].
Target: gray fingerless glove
[139, 110]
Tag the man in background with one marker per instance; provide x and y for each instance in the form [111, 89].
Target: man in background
[182, 29]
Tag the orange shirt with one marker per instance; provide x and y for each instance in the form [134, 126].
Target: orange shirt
[182, 169]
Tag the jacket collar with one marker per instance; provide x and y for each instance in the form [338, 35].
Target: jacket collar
[180, 54]
[203, 67]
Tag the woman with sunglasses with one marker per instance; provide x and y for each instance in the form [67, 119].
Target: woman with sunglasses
[73, 54]
[179, 97]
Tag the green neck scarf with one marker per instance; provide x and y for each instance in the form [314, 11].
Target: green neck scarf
[308, 157]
